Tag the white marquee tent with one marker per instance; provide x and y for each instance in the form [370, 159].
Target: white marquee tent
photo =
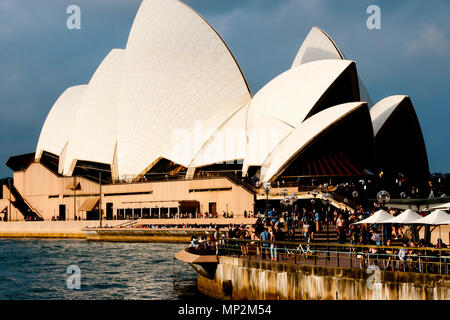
[445, 206]
[406, 217]
[380, 216]
[438, 217]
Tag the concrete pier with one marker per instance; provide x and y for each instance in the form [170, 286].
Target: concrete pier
[48, 229]
[241, 279]
[132, 230]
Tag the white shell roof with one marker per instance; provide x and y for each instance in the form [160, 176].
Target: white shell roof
[175, 75]
[176, 92]
[303, 135]
[58, 124]
[178, 73]
[228, 143]
[282, 105]
[94, 132]
[318, 45]
[383, 109]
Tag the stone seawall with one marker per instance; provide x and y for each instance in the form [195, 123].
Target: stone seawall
[145, 235]
[48, 229]
[241, 279]
[73, 229]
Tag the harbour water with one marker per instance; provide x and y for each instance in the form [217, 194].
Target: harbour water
[38, 269]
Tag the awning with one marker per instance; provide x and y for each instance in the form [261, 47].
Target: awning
[189, 203]
[20, 162]
[444, 206]
[73, 186]
[408, 216]
[435, 218]
[380, 216]
[89, 204]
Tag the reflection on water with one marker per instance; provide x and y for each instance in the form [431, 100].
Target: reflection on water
[36, 269]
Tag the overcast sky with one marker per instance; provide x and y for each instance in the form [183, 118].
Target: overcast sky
[40, 57]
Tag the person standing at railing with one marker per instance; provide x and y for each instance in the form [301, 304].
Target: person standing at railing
[273, 247]
[242, 234]
[194, 243]
[402, 256]
[389, 255]
[215, 238]
[265, 236]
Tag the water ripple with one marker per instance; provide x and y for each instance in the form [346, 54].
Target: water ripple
[37, 269]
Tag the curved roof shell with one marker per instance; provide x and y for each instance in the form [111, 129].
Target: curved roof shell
[285, 102]
[177, 74]
[227, 143]
[94, 131]
[394, 145]
[309, 131]
[57, 126]
[318, 45]
[177, 93]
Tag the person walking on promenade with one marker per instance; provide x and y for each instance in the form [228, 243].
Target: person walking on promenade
[317, 220]
[340, 226]
[306, 227]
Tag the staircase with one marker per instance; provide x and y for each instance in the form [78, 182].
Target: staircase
[319, 236]
[22, 205]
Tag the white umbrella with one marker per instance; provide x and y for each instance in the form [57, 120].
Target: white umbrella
[380, 216]
[435, 218]
[406, 217]
[445, 206]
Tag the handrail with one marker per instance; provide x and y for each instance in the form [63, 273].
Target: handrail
[19, 198]
[432, 261]
[321, 244]
[127, 223]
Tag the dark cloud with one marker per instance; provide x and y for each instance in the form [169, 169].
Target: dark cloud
[40, 57]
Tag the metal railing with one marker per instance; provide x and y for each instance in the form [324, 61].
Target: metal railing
[426, 260]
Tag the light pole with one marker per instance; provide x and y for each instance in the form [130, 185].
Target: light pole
[383, 197]
[100, 196]
[326, 200]
[294, 199]
[74, 198]
[267, 187]
[9, 210]
[314, 194]
[100, 189]
[284, 202]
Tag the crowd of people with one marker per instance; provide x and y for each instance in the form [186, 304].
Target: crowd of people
[390, 247]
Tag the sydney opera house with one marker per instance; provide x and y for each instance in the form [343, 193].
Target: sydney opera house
[169, 126]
